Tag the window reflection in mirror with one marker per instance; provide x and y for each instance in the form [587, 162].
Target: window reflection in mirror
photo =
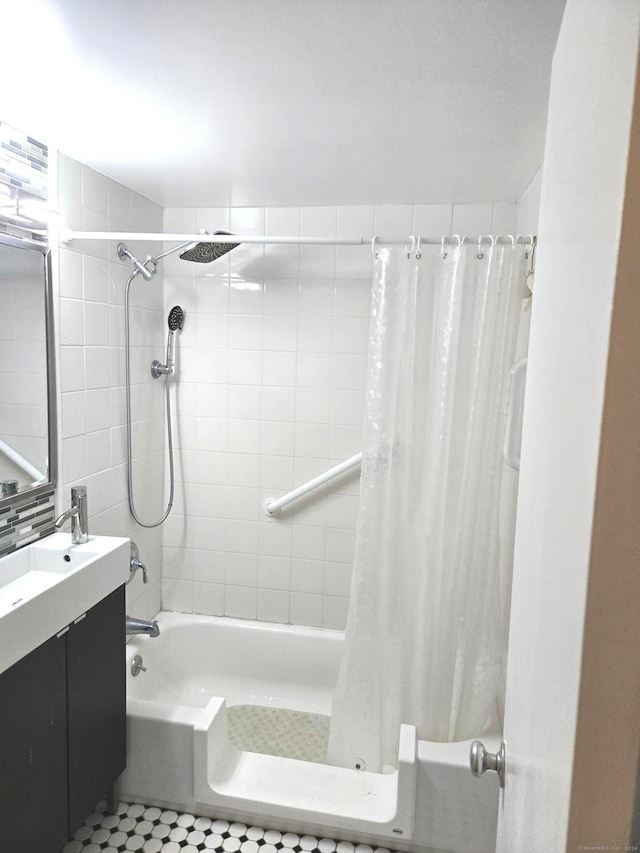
[26, 367]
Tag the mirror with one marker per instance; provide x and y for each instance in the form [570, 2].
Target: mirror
[27, 374]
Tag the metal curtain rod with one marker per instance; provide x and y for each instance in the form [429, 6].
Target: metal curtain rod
[68, 236]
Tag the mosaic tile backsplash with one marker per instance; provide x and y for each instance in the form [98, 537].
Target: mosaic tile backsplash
[25, 521]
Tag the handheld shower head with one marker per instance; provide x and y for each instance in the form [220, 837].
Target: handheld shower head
[175, 320]
[204, 253]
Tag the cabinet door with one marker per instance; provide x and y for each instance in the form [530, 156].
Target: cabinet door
[97, 705]
[33, 751]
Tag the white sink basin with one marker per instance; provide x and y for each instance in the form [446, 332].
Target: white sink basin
[47, 585]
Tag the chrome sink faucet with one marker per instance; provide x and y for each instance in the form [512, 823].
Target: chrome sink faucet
[79, 515]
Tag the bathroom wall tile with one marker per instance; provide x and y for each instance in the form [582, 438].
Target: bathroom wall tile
[472, 219]
[347, 407]
[280, 333]
[278, 404]
[73, 414]
[277, 438]
[308, 543]
[350, 334]
[276, 473]
[209, 598]
[348, 371]
[307, 576]
[240, 601]
[313, 370]
[282, 260]
[353, 297]
[245, 367]
[241, 569]
[355, 221]
[93, 220]
[94, 191]
[337, 578]
[246, 296]
[244, 402]
[312, 440]
[211, 294]
[208, 566]
[270, 394]
[273, 605]
[242, 536]
[243, 503]
[314, 335]
[274, 572]
[74, 457]
[97, 366]
[306, 609]
[335, 612]
[243, 469]
[177, 595]
[313, 405]
[246, 262]
[393, 220]
[274, 537]
[71, 322]
[340, 545]
[504, 220]
[96, 324]
[71, 368]
[71, 282]
[315, 298]
[118, 202]
[281, 296]
[245, 332]
[98, 451]
[69, 179]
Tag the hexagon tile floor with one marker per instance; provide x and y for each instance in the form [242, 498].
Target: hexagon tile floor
[152, 830]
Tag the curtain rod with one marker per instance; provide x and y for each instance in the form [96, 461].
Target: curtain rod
[68, 236]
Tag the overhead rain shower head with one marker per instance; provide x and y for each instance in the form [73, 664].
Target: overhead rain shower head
[204, 253]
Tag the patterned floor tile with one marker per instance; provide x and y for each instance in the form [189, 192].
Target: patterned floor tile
[148, 829]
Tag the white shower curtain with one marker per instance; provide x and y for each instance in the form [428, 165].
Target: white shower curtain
[424, 640]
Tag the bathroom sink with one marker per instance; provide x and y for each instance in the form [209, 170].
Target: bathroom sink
[47, 585]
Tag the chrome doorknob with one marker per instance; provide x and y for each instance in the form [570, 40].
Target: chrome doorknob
[481, 760]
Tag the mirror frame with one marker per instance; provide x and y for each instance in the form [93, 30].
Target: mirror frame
[30, 492]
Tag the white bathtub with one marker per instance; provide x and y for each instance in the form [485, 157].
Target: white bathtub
[180, 757]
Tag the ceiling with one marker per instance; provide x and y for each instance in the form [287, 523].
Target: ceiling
[202, 103]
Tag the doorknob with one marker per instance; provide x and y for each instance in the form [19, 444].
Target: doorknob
[481, 760]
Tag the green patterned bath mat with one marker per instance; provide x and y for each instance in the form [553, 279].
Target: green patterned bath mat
[279, 731]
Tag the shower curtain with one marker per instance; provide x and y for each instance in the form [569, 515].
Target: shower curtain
[425, 633]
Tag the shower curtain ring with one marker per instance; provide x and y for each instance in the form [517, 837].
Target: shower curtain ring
[418, 252]
[444, 254]
[480, 254]
[373, 247]
[413, 245]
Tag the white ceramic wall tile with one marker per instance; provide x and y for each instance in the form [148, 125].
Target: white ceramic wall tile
[393, 220]
[472, 219]
[270, 394]
[504, 220]
[92, 370]
[432, 220]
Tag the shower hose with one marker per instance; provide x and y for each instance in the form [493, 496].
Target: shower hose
[167, 380]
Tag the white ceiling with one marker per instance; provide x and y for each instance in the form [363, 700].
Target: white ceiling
[287, 102]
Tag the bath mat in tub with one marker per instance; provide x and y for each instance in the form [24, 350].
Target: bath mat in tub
[279, 731]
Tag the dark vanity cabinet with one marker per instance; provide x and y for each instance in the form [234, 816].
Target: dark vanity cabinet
[62, 730]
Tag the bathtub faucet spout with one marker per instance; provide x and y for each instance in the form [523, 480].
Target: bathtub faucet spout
[141, 626]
